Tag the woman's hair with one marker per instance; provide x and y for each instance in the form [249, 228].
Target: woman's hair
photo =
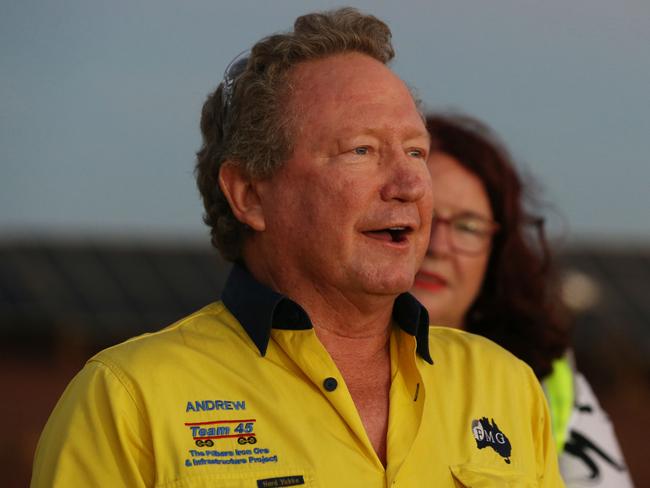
[518, 305]
[248, 118]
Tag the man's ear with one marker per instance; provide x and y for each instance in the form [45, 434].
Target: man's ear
[241, 192]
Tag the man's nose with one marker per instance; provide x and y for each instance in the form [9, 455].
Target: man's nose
[408, 180]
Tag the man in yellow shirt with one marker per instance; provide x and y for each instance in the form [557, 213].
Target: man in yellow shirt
[315, 368]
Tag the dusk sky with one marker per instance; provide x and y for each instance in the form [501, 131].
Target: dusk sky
[100, 102]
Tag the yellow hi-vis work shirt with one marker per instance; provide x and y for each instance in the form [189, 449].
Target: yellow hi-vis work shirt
[210, 402]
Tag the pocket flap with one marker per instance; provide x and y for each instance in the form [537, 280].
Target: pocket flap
[475, 476]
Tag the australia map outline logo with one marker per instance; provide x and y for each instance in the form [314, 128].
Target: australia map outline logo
[488, 434]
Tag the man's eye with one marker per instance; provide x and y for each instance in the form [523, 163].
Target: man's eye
[417, 153]
[361, 150]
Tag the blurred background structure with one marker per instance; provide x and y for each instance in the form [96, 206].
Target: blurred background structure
[100, 223]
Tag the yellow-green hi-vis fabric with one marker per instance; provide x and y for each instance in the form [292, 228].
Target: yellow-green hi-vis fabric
[559, 392]
[199, 405]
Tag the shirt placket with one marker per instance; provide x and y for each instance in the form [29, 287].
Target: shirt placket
[407, 396]
[308, 353]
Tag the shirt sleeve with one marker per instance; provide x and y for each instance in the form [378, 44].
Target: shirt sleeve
[96, 436]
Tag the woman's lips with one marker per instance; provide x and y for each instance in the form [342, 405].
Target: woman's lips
[429, 281]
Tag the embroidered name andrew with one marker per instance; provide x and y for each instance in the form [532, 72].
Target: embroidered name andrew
[208, 405]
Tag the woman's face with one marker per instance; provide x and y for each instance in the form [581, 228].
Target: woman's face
[449, 280]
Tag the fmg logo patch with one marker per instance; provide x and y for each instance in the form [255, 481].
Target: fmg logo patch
[488, 434]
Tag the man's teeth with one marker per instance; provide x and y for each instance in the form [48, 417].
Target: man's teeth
[397, 229]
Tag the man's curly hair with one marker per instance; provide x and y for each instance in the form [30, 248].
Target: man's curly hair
[255, 128]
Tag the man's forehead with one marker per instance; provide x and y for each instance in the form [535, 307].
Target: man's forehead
[353, 85]
[347, 74]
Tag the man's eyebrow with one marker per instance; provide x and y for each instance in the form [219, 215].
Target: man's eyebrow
[408, 133]
[414, 133]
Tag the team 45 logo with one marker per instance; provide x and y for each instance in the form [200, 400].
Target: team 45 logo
[205, 433]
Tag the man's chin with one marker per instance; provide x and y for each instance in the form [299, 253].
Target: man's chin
[391, 285]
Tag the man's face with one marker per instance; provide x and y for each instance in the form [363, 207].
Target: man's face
[350, 210]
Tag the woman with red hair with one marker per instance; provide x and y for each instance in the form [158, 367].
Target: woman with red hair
[488, 271]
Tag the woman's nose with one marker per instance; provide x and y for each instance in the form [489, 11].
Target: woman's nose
[439, 242]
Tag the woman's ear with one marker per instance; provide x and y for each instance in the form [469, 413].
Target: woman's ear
[241, 192]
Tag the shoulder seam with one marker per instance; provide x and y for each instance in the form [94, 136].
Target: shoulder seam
[117, 373]
[178, 324]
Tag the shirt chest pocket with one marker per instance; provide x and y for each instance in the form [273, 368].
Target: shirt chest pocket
[474, 476]
[259, 479]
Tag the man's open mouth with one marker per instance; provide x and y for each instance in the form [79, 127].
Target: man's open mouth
[390, 234]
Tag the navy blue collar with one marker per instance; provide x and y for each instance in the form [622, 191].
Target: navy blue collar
[260, 309]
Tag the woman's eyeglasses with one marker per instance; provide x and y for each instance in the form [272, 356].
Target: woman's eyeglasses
[472, 234]
[468, 233]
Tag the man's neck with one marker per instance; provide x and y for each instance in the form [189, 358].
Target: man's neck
[342, 315]
[361, 359]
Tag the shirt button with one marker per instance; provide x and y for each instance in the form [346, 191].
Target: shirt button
[330, 384]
